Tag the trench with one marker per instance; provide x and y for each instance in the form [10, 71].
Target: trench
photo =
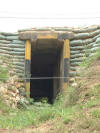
[46, 65]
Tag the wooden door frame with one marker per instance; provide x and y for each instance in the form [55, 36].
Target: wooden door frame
[66, 59]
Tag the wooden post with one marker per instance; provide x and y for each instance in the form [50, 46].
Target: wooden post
[27, 67]
[66, 63]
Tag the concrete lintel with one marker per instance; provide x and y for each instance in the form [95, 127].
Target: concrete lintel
[33, 36]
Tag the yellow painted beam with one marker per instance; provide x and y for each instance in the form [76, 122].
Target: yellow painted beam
[47, 36]
[66, 58]
[27, 66]
[27, 86]
[27, 50]
[66, 49]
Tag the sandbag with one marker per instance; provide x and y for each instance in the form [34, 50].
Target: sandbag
[73, 68]
[19, 63]
[18, 42]
[81, 36]
[72, 74]
[17, 53]
[19, 71]
[74, 52]
[98, 40]
[16, 45]
[19, 57]
[9, 34]
[2, 37]
[77, 56]
[95, 33]
[4, 41]
[4, 51]
[18, 60]
[6, 48]
[12, 38]
[19, 67]
[75, 63]
[77, 48]
[76, 60]
[19, 49]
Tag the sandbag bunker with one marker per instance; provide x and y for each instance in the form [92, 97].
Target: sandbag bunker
[46, 57]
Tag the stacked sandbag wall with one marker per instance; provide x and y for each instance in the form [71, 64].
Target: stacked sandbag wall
[14, 50]
[85, 43]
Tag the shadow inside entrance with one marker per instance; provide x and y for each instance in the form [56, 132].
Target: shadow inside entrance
[46, 64]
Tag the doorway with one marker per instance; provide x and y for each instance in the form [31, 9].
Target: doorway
[46, 68]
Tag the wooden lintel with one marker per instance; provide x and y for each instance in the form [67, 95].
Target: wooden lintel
[33, 36]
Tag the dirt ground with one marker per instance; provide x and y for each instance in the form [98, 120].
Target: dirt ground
[92, 77]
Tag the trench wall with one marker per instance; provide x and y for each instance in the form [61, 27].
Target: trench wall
[13, 49]
[85, 43]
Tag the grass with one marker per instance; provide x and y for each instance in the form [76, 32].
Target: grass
[3, 74]
[20, 118]
[89, 60]
[66, 109]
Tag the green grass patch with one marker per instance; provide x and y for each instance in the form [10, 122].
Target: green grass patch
[3, 73]
[96, 113]
[89, 60]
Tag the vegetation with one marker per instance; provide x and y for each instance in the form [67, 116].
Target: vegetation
[89, 60]
[78, 110]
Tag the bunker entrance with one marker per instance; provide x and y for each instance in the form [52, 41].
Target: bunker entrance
[46, 67]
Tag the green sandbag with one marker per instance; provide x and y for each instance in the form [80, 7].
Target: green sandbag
[12, 38]
[19, 71]
[16, 46]
[95, 38]
[4, 41]
[75, 63]
[96, 45]
[74, 42]
[94, 49]
[98, 40]
[73, 68]
[77, 48]
[9, 34]
[18, 63]
[5, 55]
[6, 48]
[81, 36]
[84, 42]
[76, 60]
[4, 51]
[18, 60]
[17, 53]
[18, 42]
[19, 67]
[95, 33]
[2, 37]
[19, 49]
[77, 56]
[19, 57]
[74, 52]
[72, 74]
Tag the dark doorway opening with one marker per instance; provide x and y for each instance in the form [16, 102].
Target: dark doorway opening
[46, 66]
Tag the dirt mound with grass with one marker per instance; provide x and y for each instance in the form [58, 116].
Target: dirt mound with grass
[77, 111]
[10, 86]
[84, 101]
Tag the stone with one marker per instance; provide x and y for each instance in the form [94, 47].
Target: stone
[74, 85]
[71, 80]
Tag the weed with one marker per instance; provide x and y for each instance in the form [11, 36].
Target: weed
[3, 73]
[89, 60]
[96, 113]
[72, 96]
[86, 123]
